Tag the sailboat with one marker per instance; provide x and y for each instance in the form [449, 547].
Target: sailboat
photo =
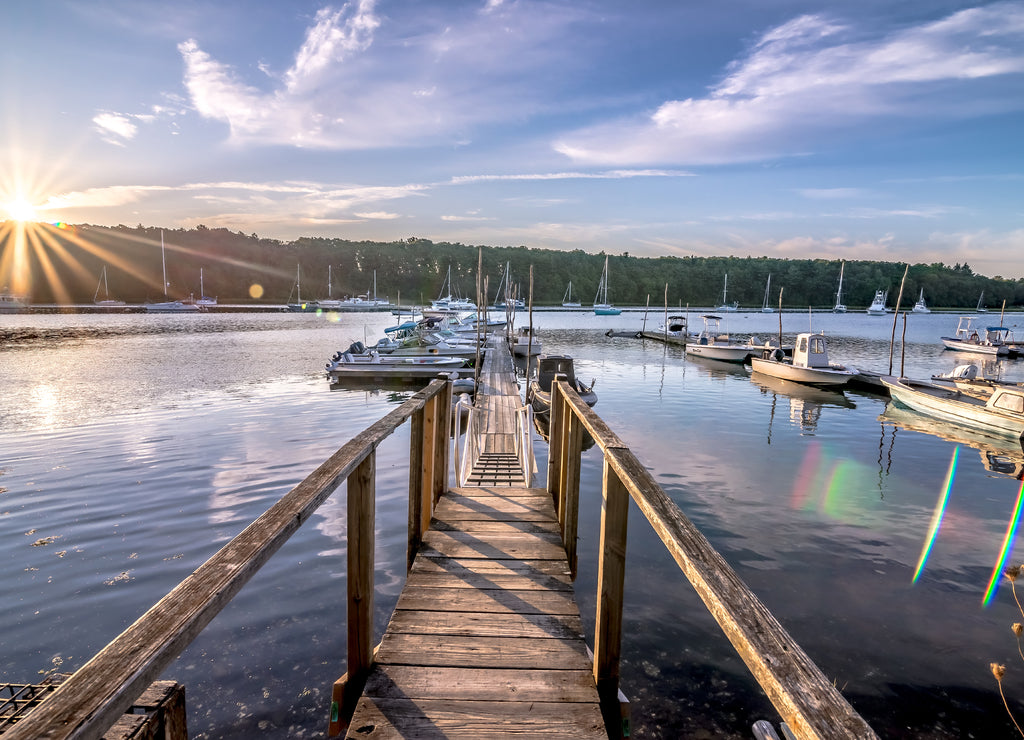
[330, 303]
[768, 286]
[601, 305]
[107, 301]
[921, 306]
[299, 306]
[204, 301]
[840, 307]
[448, 302]
[567, 300]
[169, 306]
[725, 291]
[981, 303]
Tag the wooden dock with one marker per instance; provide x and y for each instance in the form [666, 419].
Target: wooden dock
[486, 639]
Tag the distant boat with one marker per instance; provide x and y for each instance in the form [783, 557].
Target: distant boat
[877, 307]
[725, 306]
[169, 306]
[330, 303]
[840, 307]
[106, 301]
[981, 303]
[921, 306]
[567, 300]
[448, 302]
[11, 303]
[299, 306]
[601, 305]
[768, 286]
[810, 363]
[204, 301]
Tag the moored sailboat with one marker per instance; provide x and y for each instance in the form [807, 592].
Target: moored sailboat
[725, 306]
[840, 307]
[567, 301]
[601, 305]
[169, 306]
[106, 301]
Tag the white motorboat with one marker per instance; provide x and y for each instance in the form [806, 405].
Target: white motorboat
[967, 379]
[968, 339]
[1000, 413]
[358, 356]
[106, 301]
[448, 302]
[525, 342]
[567, 301]
[601, 305]
[11, 303]
[840, 307]
[725, 305]
[877, 307]
[765, 308]
[810, 363]
[921, 306]
[713, 344]
[169, 306]
[538, 395]
[676, 327]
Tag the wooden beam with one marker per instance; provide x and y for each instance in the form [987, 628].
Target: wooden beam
[611, 576]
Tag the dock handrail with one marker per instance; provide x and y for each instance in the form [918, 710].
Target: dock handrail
[524, 442]
[805, 699]
[468, 450]
[88, 703]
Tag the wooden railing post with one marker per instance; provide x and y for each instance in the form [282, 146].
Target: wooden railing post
[361, 514]
[611, 572]
[442, 435]
[416, 428]
[554, 445]
[570, 496]
[427, 460]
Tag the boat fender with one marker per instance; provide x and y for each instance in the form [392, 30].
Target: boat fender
[778, 355]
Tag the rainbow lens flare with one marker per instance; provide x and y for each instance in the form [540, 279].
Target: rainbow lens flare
[940, 511]
[1004, 553]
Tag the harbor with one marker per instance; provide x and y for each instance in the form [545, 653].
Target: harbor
[760, 514]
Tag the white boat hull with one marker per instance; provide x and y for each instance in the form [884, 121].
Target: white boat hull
[951, 405]
[958, 345]
[822, 376]
[724, 352]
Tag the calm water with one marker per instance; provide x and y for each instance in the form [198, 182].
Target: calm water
[134, 446]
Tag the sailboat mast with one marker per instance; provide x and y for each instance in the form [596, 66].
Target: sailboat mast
[163, 260]
[202, 292]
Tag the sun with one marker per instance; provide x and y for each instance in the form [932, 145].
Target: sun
[21, 210]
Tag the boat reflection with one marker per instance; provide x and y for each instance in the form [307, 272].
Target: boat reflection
[541, 423]
[806, 402]
[998, 455]
[712, 368]
[394, 390]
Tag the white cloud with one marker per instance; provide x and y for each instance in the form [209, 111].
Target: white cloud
[812, 77]
[831, 193]
[378, 215]
[466, 218]
[115, 128]
[609, 175]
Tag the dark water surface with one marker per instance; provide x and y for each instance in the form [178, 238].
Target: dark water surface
[132, 447]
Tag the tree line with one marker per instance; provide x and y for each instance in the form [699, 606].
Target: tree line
[64, 266]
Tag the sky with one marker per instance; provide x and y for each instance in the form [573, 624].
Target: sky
[864, 129]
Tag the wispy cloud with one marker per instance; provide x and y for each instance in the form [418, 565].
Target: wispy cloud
[831, 193]
[115, 128]
[609, 175]
[378, 215]
[813, 77]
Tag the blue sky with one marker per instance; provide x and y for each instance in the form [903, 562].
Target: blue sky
[840, 130]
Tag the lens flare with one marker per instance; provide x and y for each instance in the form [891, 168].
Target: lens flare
[1004, 553]
[940, 511]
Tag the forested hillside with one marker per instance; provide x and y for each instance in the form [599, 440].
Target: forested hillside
[65, 264]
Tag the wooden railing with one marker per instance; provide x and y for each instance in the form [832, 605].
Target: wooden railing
[98, 693]
[805, 699]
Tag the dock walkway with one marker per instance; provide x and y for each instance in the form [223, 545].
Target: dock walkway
[486, 639]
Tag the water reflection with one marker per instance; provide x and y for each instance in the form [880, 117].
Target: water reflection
[805, 402]
[1000, 456]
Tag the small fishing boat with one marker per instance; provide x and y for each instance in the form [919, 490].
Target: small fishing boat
[810, 363]
[525, 342]
[1002, 412]
[601, 305]
[840, 307]
[877, 307]
[538, 395]
[357, 361]
[713, 344]
[726, 306]
[921, 306]
[967, 339]
[968, 379]
[675, 327]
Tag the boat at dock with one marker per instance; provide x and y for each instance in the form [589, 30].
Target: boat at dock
[538, 395]
[810, 363]
[525, 342]
[967, 339]
[1001, 412]
[601, 305]
[357, 361]
[713, 344]
[877, 307]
